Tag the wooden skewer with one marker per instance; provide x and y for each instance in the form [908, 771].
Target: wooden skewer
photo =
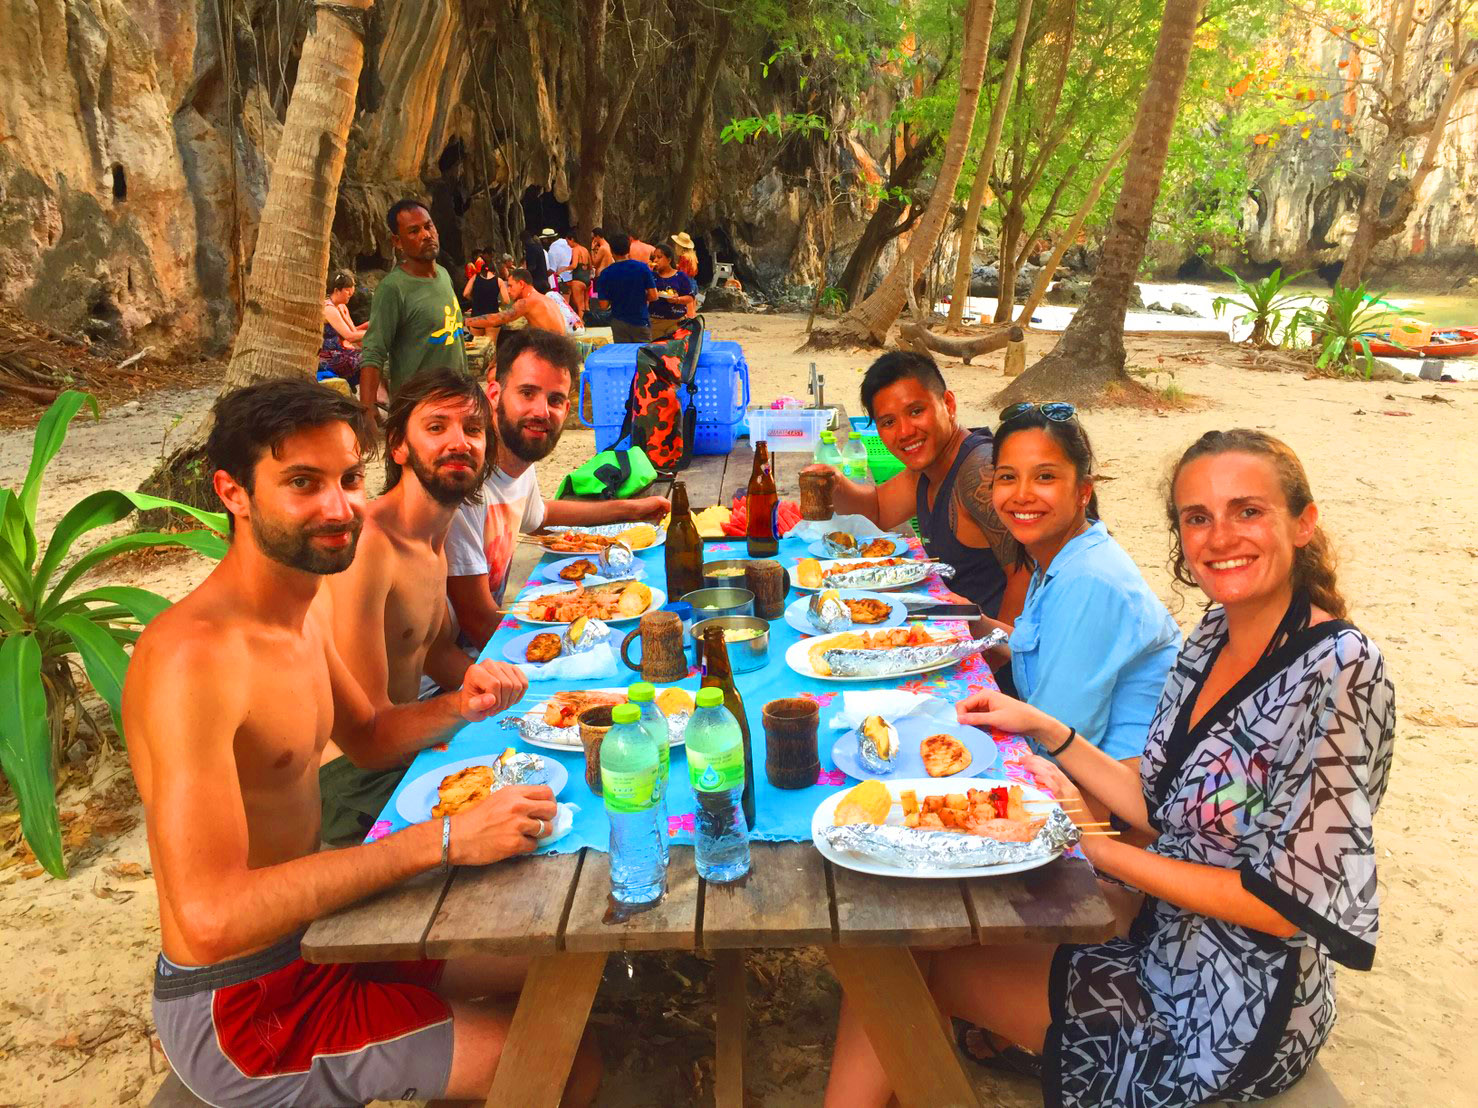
[1086, 833]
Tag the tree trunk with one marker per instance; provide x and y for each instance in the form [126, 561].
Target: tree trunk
[1011, 228]
[1367, 229]
[971, 227]
[687, 173]
[1070, 235]
[870, 320]
[1090, 354]
[888, 220]
[597, 133]
[282, 326]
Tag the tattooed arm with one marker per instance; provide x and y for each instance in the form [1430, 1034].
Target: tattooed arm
[972, 497]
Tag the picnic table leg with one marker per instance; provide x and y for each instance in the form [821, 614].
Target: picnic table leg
[907, 1031]
[729, 989]
[547, 1024]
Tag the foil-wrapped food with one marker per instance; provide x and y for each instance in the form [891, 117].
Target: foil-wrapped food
[877, 744]
[910, 849]
[893, 574]
[534, 728]
[518, 768]
[585, 633]
[616, 560]
[844, 662]
[827, 613]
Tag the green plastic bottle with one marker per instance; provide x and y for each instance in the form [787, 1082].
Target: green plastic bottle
[644, 695]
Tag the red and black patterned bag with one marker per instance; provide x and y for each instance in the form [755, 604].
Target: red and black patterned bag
[661, 413]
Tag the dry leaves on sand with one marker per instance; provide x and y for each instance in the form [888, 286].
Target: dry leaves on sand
[1425, 717]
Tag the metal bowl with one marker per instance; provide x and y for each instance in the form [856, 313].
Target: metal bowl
[712, 571]
[711, 603]
[744, 654]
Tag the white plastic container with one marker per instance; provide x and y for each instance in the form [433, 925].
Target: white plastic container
[789, 430]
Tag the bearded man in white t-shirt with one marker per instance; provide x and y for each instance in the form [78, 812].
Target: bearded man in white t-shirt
[529, 390]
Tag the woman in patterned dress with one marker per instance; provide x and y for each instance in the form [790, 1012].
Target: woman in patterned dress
[1266, 761]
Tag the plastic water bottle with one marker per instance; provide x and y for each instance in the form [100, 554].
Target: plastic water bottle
[854, 456]
[716, 770]
[644, 695]
[827, 452]
[632, 789]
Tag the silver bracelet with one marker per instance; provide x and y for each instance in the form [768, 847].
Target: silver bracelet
[446, 844]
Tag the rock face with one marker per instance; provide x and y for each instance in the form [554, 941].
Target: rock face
[136, 143]
[1305, 211]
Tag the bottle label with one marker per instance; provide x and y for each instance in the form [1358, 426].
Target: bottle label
[721, 773]
[628, 791]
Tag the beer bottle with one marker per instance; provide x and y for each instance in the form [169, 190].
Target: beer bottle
[718, 675]
[763, 507]
[684, 551]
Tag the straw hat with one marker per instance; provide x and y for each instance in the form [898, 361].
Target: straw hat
[549, 233]
[683, 241]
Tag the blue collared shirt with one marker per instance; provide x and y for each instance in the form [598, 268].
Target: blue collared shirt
[1093, 645]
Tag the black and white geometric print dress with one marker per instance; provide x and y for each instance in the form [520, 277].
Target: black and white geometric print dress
[1279, 781]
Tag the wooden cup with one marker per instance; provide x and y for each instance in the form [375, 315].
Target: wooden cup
[817, 487]
[593, 724]
[662, 656]
[791, 758]
[770, 582]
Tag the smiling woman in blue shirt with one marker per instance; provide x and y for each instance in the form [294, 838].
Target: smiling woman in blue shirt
[1093, 644]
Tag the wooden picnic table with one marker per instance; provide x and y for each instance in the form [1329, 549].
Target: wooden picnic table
[551, 908]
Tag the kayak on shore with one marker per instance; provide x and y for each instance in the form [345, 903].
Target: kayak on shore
[1457, 342]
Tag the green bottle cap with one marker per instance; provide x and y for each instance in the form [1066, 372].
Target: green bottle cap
[828, 436]
[710, 697]
[625, 713]
[641, 692]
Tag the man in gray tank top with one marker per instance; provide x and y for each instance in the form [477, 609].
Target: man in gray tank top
[945, 482]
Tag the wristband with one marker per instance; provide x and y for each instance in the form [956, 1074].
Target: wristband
[1071, 735]
[446, 844]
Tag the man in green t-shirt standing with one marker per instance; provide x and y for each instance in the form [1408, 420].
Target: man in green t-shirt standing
[416, 320]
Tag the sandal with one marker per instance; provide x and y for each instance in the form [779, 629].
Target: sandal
[975, 1044]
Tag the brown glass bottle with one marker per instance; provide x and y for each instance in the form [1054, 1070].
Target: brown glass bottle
[762, 537]
[716, 672]
[683, 553]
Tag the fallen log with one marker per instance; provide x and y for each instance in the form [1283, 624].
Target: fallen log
[915, 336]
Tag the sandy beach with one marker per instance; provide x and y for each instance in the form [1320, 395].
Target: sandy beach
[1391, 466]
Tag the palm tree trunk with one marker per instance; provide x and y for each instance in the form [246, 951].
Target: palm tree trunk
[282, 326]
[1090, 354]
[870, 320]
[971, 227]
[888, 220]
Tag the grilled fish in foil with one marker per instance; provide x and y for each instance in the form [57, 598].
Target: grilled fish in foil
[906, 572]
[907, 848]
[581, 636]
[903, 659]
[827, 613]
[615, 560]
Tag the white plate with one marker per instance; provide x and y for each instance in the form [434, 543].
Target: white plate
[825, 816]
[911, 731]
[659, 598]
[817, 549]
[574, 745]
[417, 799]
[551, 571]
[795, 612]
[828, 563]
[606, 530]
[798, 658]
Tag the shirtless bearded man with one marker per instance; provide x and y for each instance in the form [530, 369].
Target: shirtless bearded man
[389, 607]
[230, 697]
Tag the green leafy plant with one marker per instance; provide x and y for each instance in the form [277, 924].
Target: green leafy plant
[833, 300]
[49, 618]
[1262, 304]
[1343, 328]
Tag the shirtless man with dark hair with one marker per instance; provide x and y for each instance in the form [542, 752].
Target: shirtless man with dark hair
[389, 609]
[230, 697]
[529, 303]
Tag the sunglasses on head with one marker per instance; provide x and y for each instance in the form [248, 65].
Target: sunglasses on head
[1058, 411]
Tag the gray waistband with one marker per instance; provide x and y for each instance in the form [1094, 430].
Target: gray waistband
[171, 981]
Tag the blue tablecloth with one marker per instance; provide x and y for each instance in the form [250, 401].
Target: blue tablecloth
[780, 814]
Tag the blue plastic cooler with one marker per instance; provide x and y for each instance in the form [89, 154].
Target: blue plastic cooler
[721, 393]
